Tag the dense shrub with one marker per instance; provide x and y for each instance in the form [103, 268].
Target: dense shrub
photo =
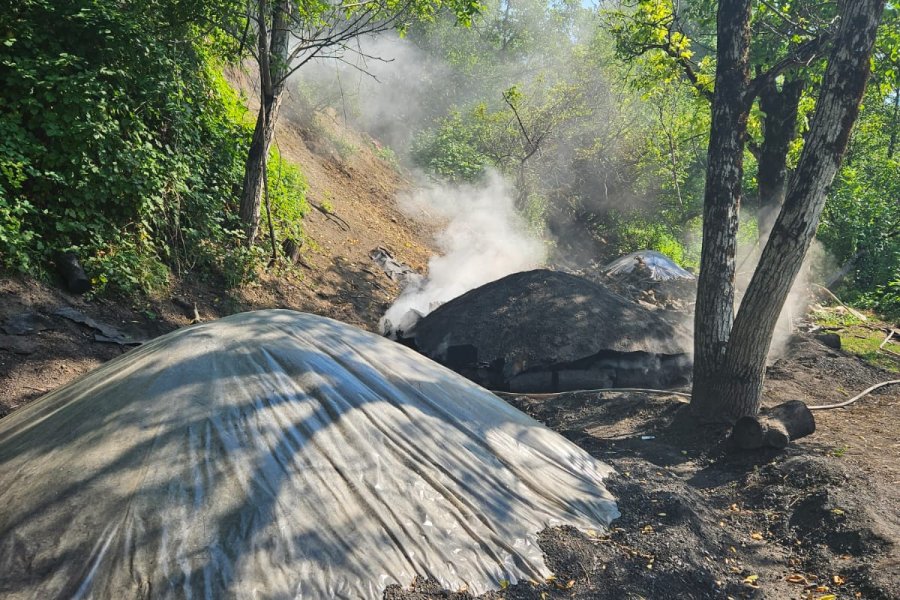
[119, 140]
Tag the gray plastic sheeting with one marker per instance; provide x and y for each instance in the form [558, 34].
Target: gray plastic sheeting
[277, 454]
[661, 267]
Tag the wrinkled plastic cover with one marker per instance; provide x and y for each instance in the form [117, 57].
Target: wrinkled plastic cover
[661, 267]
[277, 454]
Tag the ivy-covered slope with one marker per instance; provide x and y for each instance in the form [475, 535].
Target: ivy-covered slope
[120, 140]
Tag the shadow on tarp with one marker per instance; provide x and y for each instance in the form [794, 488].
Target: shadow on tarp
[279, 454]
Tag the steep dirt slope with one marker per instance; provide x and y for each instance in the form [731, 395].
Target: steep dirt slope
[355, 191]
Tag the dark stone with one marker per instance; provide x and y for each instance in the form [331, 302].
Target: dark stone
[73, 274]
[832, 340]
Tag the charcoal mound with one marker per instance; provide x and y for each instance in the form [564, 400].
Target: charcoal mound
[654, 265]
[546, 330]
[276, 454]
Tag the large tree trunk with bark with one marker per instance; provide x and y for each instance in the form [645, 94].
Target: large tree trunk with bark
[779, 129]
[715, 290]
[735, 389]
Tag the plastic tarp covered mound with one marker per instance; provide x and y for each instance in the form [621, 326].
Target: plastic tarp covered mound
[276, 454]
[659, 267]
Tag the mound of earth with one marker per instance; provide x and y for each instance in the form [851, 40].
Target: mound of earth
[653, 265]
[278, 454]
[547, 330]
[653, 280]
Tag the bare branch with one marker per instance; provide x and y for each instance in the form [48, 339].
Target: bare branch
[785, 17]
[521, 125]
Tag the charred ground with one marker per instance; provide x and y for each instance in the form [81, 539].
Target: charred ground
[817, 521]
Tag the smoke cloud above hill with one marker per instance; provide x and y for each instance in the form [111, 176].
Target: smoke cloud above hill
[483, 240]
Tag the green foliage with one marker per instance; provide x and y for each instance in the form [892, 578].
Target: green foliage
[859, 338]
[861, 222]
[287, 196]
[633, 232]
[453, 150]
[387, 154]
[120, 140]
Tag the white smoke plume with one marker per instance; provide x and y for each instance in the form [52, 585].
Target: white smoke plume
[816, 262]
[484, 239]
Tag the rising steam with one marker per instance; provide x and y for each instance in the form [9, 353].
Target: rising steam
[483, 240]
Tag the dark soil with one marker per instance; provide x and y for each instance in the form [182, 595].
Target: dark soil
[818, 519]
[544, 330]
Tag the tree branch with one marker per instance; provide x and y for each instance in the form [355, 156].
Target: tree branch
[803, 55]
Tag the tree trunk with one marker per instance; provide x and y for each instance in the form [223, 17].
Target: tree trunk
[715, 289]
[255, 166]
[779, 130]
[737, 387]
[776, 428]
[272, 55]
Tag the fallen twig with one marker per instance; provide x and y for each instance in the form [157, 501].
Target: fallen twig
[890, 352]
[853, 312]
[344, 225]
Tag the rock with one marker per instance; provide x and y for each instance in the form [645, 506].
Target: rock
[73, 274]
[832, 340]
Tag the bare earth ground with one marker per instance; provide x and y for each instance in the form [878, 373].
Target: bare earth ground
[818, 521]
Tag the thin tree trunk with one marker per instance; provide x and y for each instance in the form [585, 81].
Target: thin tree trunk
[714, 313]
[779, 130]
[272, 48]
[895, 124]
[738, 386]
[254, 168]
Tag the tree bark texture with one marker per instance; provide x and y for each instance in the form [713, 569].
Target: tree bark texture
[257, 159]
[775, 429]
[714, 313]
[737, 386]
[779, 129]
[272, 49]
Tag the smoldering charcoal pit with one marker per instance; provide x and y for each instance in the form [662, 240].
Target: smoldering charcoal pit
[545, 330]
